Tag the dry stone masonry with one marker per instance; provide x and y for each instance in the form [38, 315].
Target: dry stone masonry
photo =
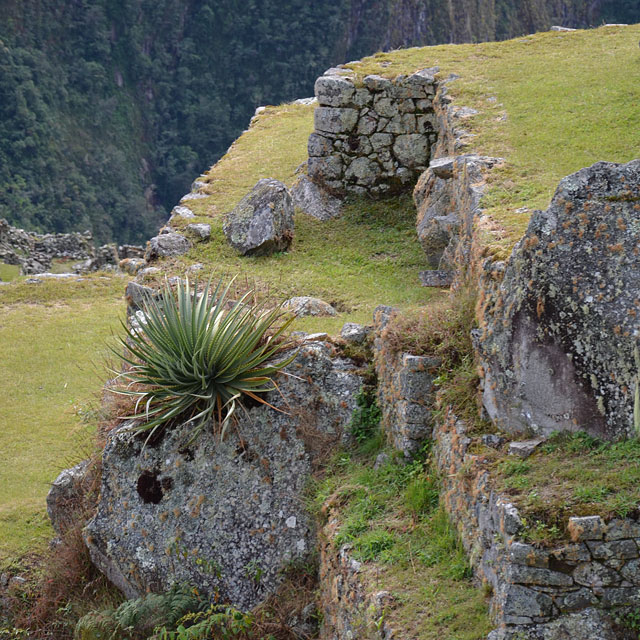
[537, 592]
[373, 138]
[405, 389]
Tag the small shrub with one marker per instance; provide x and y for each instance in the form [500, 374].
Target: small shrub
[193, 360]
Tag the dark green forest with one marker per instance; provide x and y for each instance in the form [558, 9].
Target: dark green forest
[110, 108]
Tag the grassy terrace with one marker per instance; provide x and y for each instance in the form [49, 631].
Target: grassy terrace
[550, 103]
[53, 339]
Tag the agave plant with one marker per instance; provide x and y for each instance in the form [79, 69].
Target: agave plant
[191, 359]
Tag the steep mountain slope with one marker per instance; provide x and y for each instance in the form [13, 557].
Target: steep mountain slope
[108, 108]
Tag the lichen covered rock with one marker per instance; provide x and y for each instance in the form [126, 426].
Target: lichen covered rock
[226, 516]
[167, 245]
[262, 223]
[560, 338]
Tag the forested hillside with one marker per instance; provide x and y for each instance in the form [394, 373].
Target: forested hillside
[109, 108]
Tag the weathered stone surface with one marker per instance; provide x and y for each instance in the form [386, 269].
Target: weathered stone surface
[318, 146]
[334, 91]
[326, 169]
[405, 389]
[586, 528]
[314, 200]
[201, 231]
[362, 171]
[262, 222]
[524, 448]
[356, 130]
[137, 294]
[66, 495]
[308, 306]
[181, 211]
[356, 333]
[447, 198]
[559, 348]
[166, 245]
[412, 150]
[132, 265]
[227, 515]
[334, 120]
[437, 278]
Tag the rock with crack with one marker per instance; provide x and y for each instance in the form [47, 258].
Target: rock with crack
[262, 222]
[560, 333]
[226, 516]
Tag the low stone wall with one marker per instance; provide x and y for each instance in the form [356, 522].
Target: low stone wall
[375, 138]
[536, 591]
[405, 389]
[350, 605]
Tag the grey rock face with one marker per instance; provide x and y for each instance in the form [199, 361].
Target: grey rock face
[166, 245]
[65, 494]
[201, 232]
[308, 306]
[314, 200]
[437, 278]
[447, 198]
[334, 91]
[225, 516]
[353, 332]
[262, 222]
[560, 347]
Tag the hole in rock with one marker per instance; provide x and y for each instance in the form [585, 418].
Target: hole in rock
[149, 487]
[243, 451]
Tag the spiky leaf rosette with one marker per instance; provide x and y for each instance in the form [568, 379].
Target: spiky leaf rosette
[192, 359]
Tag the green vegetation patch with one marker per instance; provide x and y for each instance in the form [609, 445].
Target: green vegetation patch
[392, 519]
[8, 272]
[53, 337]
[569, 475]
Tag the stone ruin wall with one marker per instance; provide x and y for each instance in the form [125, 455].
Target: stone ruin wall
[536, 591]
[376, 138]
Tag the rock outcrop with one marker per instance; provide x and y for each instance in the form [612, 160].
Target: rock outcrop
[559, 344]
[226, 516]
[262, 222]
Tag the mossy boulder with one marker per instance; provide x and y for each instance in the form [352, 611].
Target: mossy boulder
[559, 339]
[262, 223]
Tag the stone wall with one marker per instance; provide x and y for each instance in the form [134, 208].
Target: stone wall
[536, 591]
[375, 138]
[405, 389]
[350, 604]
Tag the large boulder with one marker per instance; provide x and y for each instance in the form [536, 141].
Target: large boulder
[226, 516]
[560, 335]
[262, 223]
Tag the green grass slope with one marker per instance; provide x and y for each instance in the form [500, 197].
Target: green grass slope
[53, 338]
